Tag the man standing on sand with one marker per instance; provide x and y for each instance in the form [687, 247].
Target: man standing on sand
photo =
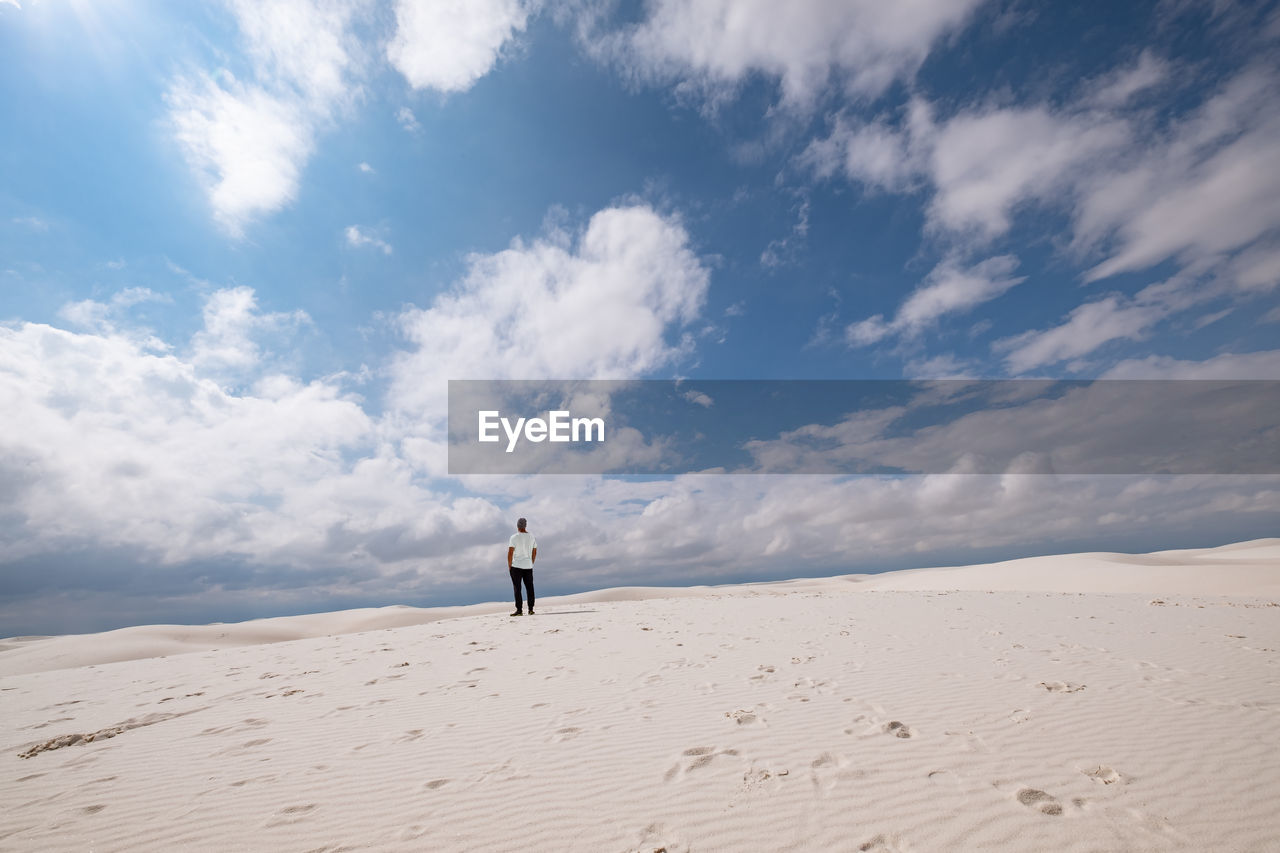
[522, 553]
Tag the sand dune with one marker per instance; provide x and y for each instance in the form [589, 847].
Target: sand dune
[1082, 702]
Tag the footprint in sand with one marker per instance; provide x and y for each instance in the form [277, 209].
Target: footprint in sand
[827, 770]
[967, 741]
[1103, 775]
[744, 717]
[1034, 798]
[414, 832]
[435, 784]
[567, 733]
[657, 838]
[885, 843]
[1061, 686]
[898, 729]
[291, 814]
[694, 758]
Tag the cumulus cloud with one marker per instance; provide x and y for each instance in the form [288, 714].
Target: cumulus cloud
[607, 303]
[230, 341]
[186, 492]
[246, 145]
[98, 316]
[447, 45]
[137, 449]
[950, 288]
[877, 154]
[711, 47]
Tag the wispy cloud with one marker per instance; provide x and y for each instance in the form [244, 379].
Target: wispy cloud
[358, 237]
[950, 288]
[408, 120]
[1138, 187]
[35, 223]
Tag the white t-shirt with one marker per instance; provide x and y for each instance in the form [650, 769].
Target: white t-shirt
[524, 543]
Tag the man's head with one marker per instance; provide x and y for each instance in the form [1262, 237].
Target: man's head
[521, 523]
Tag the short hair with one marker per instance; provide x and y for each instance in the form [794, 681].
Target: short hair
[521, 523]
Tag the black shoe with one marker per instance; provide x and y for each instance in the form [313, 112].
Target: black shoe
[518, 613]
[530, 611]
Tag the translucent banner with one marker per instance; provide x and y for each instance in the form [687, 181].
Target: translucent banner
[659, 427]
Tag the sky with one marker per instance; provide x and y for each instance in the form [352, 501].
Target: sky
[245, 245]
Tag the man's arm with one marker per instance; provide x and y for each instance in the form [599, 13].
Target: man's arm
[533, 556]
[510, 552]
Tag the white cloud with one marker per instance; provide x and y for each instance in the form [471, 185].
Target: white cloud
[1119, 87]
[1256, 268]
[103, 317]
[447, 45]
[408, 120]
[1087, 327]
[943, 366]
[1205, 186]
[984, 164]
[948, 289]
[784, 249]
[1201, 189]
[357, 237]
[365, 168]
[980, 164]
[1264, 364]
[248, 141]
[609, 304]
[140, 450]
[698, 398]
[293, 487]
[303, 44]
[35, 223]
[711, 47]
[231, 340]
[247, 145]
[875, 154]
[1212, 188]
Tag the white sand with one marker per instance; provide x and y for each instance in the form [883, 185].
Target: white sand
[1084, 702]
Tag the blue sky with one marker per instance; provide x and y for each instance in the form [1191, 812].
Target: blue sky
[244, 245]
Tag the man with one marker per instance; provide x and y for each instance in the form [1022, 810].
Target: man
[522, 553]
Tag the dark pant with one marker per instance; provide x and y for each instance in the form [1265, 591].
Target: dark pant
[526, 575]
